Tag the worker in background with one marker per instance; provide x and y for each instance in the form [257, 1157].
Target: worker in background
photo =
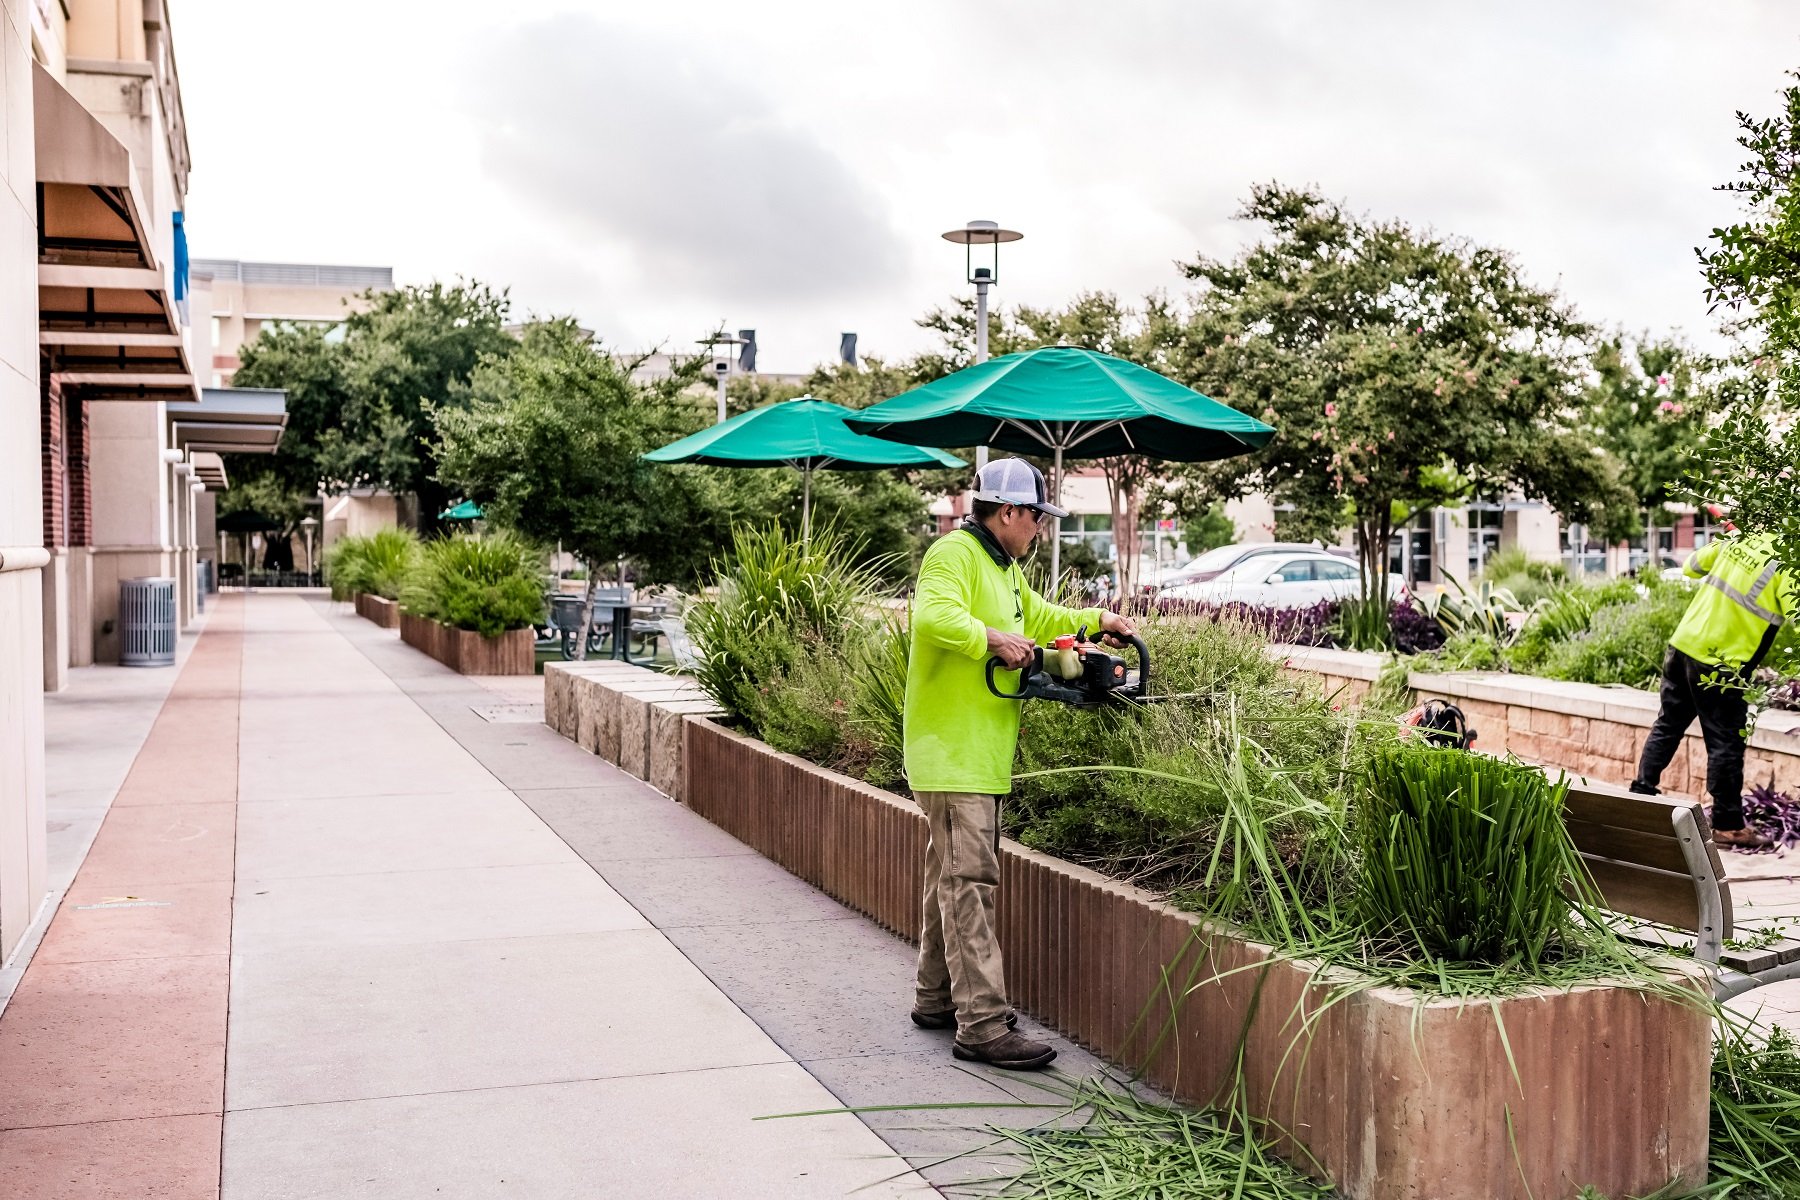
[1729, 625]
[973, 604]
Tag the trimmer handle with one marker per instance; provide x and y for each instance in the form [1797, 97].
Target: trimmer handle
[1143, 655]
[995, 664]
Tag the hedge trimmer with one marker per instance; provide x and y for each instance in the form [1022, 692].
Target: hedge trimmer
[1076, 672]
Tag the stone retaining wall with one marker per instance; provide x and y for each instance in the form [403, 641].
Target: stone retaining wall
[1582, 728]
[629, 715]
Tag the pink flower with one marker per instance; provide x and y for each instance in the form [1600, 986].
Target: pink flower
[1317, 434]
[1390, 435]
[1330, 409]
[1676, 410]
[1667, 406]
[1359, 478]
[1663, 381]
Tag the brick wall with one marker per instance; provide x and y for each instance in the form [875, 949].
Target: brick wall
[54, 458]
[81, 477]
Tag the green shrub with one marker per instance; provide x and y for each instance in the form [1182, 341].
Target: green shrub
[774, 645]
[1527, 579]
[377, 564]
[1756, 1114]
[1364, 624]
[1183, 790]
[487, 584]
[1464, 858]
[878, 705]
[1623, 643]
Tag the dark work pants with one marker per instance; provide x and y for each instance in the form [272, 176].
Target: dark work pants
[1687, 693]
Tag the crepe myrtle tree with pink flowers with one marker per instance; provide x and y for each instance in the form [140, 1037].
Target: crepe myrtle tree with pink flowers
[1402, 370]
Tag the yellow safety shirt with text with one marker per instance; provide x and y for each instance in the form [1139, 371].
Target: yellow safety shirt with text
[1745, 595]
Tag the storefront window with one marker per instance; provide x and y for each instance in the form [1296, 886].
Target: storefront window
[1486, 520]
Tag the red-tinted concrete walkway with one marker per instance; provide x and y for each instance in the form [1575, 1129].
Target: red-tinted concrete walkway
[112, 1051]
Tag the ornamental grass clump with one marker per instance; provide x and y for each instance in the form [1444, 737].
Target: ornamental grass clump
[777, 642]
[377, 564]
[488, 584]
[1755, 1134]
[1464, 858]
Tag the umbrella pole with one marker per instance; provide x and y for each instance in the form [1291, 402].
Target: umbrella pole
[1056, 531]
[806, 507]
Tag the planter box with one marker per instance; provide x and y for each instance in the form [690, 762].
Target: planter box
[1389, 1096]
[1582, 728]
[379, 609]
[469, 653]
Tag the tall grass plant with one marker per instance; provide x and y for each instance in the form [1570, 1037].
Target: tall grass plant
[488, 584]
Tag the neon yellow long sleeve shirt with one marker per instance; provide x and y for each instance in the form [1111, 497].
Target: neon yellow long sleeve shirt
[1744, 595]
[960, 737]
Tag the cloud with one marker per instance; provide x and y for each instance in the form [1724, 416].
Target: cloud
[655, 147]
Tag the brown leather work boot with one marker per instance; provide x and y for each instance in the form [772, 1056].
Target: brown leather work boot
[1740, 839]
[1012, 1051]
[947, 1019]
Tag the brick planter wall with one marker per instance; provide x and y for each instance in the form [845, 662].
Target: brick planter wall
[469, 653]
[1581, 728]
[379, 609]
[1396, 1099]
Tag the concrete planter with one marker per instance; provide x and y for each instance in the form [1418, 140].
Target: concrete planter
[1585, 729]
[1389, 1096]
[469, 653]
[629, 715]
[379, 609]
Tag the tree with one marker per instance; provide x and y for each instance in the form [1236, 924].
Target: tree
[358, 393]
[548, 439]
[1401, 371]
[413, 350]
[1648, 401]
[1752, 271]
[1092, 321]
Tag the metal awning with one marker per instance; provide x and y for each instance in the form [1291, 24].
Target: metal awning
[231, 421]
[209, 469]
[106, 319]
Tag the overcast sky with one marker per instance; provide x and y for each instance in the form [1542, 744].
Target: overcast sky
[662, 167]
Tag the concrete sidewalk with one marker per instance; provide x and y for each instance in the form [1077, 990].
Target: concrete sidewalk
[430, 994]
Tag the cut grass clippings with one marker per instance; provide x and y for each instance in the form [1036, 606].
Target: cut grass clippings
[1128, 1148]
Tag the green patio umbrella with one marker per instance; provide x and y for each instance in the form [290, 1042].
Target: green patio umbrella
[806, 434]
[466, 511]
[1065, 402]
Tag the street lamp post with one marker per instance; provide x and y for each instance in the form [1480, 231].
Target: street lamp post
[722, 366]
[989, 234]
[307, 525]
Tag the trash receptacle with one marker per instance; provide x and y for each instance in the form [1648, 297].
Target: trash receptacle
[200, 585]
[147, 622]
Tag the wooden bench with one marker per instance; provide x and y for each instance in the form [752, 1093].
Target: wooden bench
[1652, 858]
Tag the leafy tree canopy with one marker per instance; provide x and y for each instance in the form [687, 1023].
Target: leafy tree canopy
[1752, 272]
[1396, 366]
[548, 439]
[358, 394]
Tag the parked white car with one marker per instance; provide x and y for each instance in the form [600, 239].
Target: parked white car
[1220, 559]
[1280, 581]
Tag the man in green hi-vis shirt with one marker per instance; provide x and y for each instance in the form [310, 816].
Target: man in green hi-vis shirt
[973, 603]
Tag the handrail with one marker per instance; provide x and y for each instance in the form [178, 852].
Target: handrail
[23, 558]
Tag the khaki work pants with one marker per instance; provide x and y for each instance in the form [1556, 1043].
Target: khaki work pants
[959, 950]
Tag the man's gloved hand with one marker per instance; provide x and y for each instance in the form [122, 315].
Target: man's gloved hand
[1013, 649]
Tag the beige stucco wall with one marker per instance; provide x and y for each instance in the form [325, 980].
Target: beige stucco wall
[22, 870]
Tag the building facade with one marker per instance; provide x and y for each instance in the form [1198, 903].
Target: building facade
[233, 301]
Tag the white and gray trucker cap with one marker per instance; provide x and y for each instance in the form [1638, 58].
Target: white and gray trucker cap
[1015, 481]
